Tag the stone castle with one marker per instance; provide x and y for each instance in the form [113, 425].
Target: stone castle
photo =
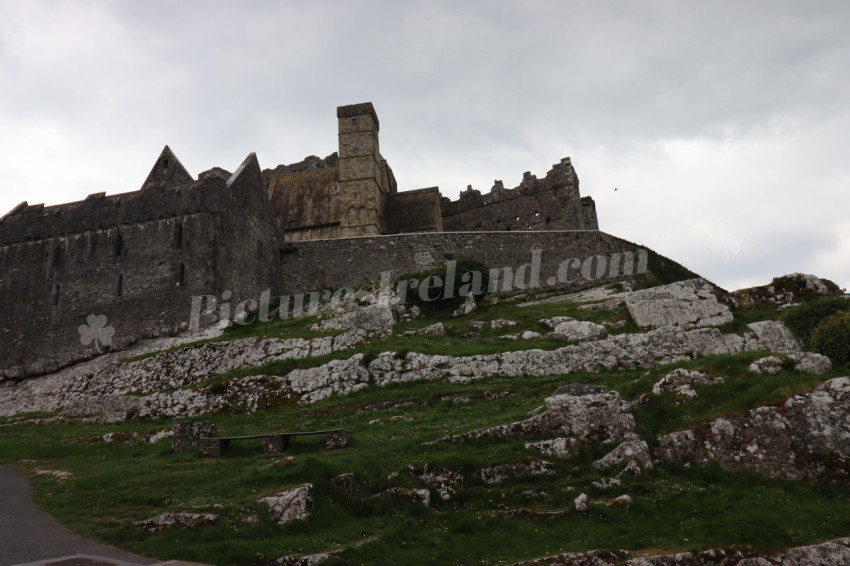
[138, 258]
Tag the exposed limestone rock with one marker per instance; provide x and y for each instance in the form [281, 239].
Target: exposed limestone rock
[803, 361]
[686, 304]
[502, 323]
[606, 483]
[467, 307]
[677, 446]
[589, 413]
[437, 329]
[679, 378]
[803, 439]
[307, 559]
[830, 553]
[105, 390]
[371, 317]
[769, 365]
[564, 448]
[631, 450]
[496, 474]
[579, 331]
[774, 337]
[178, 520]
[421, 496]
[581, 503]
[60, 475]
[530, 335]
[589, 558]
[556, 320]
[792, 286]
[289, 505]
[446, 482]
[631, 469]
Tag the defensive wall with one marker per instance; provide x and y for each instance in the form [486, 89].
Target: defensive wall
[349, 262]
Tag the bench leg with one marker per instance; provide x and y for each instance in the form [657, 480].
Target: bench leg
[213, 447]
[337, 440]
[275, 444]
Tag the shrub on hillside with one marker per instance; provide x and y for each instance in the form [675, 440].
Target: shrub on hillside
[470, 277]
[832, 338]
[803, 320]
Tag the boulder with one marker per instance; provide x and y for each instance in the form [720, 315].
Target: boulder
[370, 317]
[579, 331]
[589, 413]
[686, 304]
[806, 362]
[581, 503]
[631, 450]
[680, 378]
[290, 505]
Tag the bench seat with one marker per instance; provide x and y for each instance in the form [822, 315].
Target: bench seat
[274, 443]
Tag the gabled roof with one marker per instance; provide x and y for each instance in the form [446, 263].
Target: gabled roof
[168, 170]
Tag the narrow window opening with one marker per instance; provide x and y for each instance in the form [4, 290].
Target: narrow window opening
[56, 290]
[57, 257]
[181, 275]
[119, 246]
[164, 163]
[259, 249]
[119, 287]
[178, 237]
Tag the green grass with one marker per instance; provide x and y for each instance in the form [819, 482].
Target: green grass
[116, 484]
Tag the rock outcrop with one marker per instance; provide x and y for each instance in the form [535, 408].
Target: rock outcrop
[804, 438]
[290, 505]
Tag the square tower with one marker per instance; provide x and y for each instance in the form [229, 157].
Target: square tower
[363, 178]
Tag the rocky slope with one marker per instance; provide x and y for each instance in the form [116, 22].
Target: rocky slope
[805, 437]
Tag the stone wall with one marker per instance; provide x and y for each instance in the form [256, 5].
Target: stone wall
[414, 211]
[553, 203]
[349, 262]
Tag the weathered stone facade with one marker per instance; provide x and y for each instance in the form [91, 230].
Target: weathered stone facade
[354, 193]
[80, 278]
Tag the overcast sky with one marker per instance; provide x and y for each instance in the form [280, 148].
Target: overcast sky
[723, 126]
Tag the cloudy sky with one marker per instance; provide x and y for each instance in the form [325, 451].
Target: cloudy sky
[723, 126]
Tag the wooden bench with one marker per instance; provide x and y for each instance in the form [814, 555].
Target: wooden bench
[274, 443]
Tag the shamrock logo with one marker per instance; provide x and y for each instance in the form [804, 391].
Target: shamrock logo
[96, 331]
[727, 239]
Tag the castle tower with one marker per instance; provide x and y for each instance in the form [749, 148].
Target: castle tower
[364, 177]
